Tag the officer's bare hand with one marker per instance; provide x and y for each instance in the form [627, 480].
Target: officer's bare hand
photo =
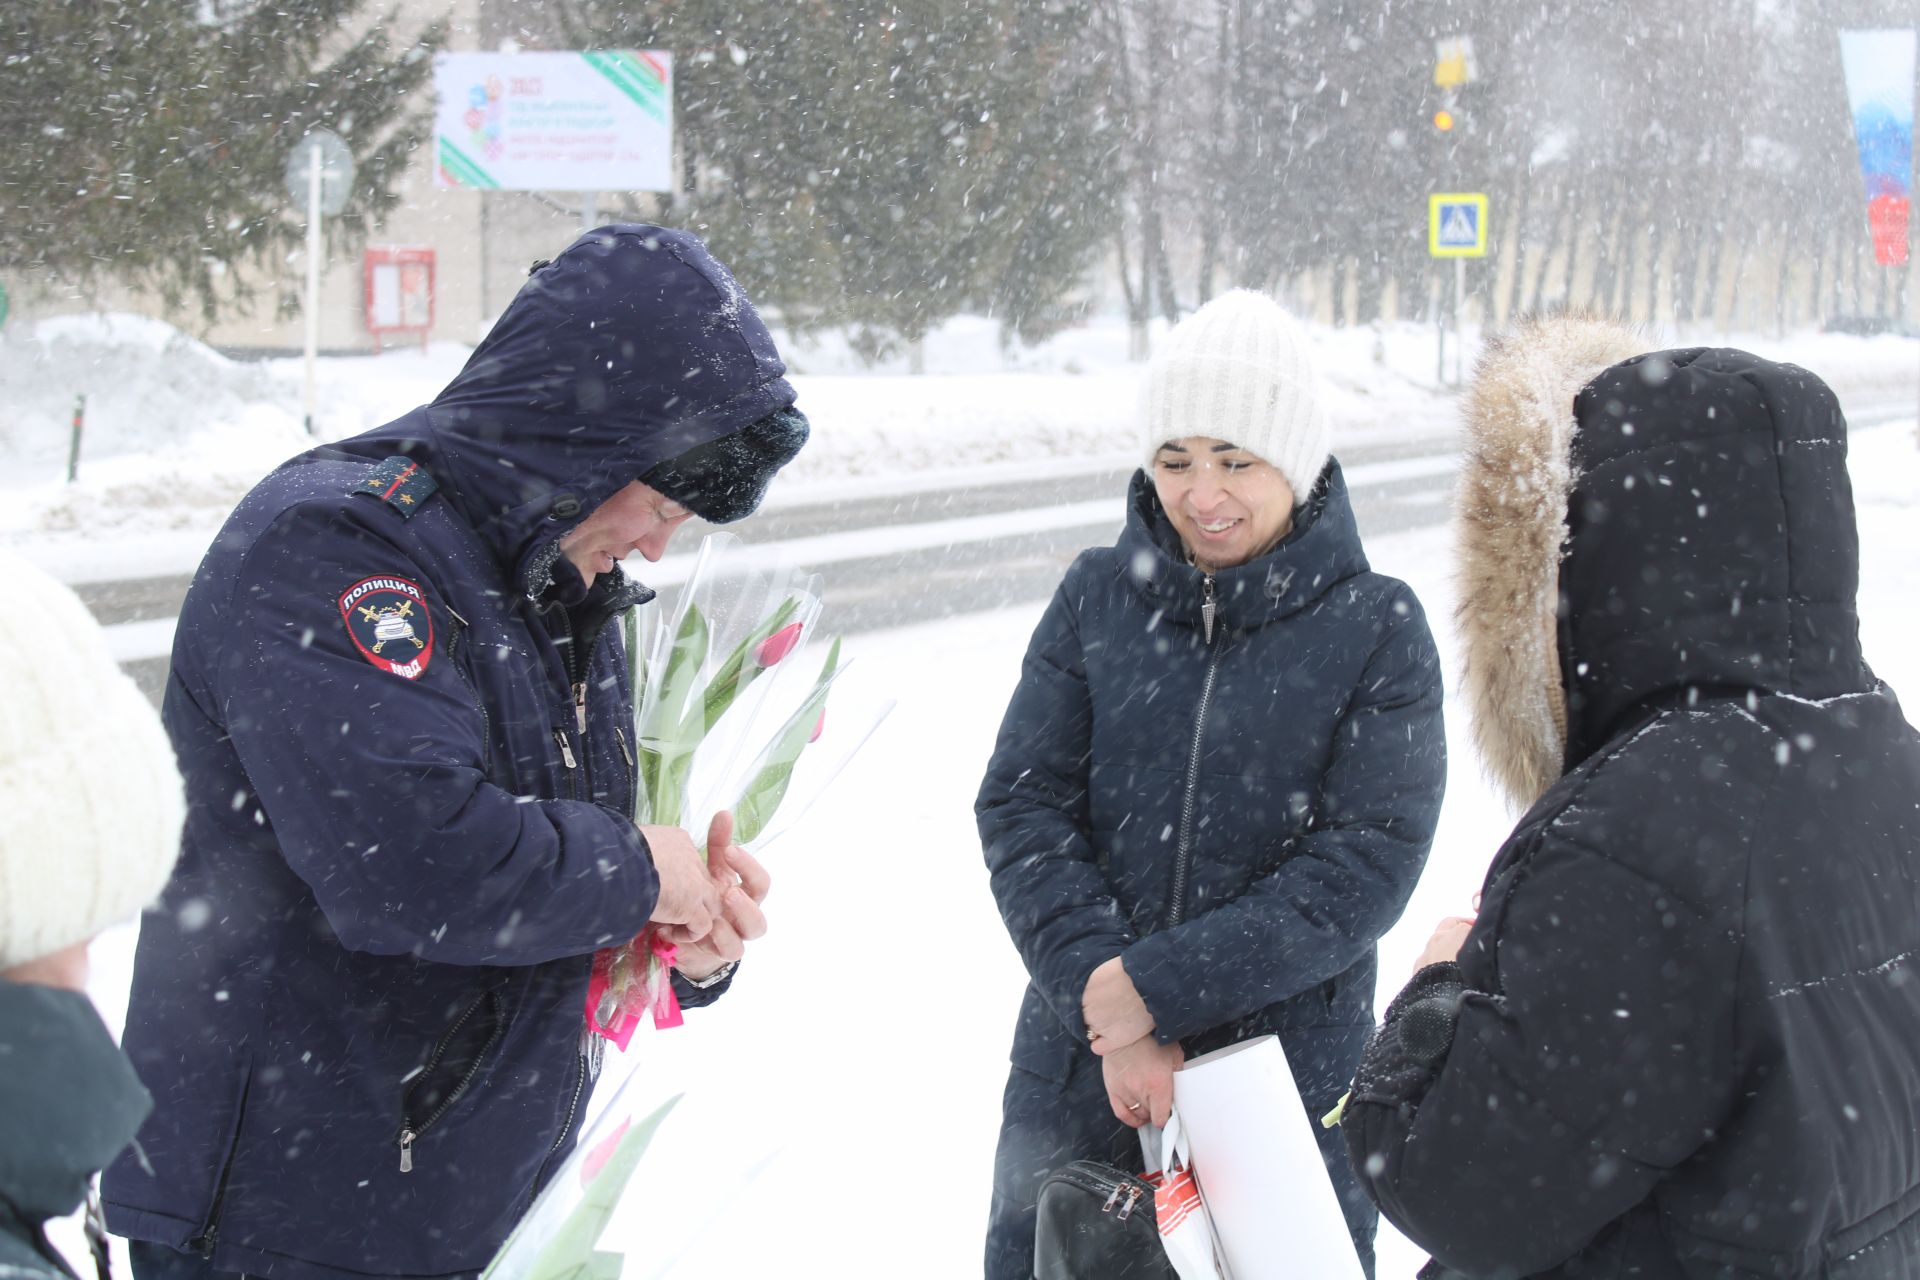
[1139, 1080]
[743, 884]
[689, 895]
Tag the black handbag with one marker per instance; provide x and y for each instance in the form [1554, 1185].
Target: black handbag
[1096, 1222]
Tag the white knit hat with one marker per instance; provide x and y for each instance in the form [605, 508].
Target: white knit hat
[1240, 369]
[90, 797]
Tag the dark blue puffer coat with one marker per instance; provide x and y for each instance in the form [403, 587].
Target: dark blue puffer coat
[1239, 818]
[402, 720]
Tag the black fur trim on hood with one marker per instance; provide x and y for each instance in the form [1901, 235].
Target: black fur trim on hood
[725, 480]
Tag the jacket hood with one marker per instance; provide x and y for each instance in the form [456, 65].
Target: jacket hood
[1321, 549]
[69, 1099]
[1638, 526]
[630, 348]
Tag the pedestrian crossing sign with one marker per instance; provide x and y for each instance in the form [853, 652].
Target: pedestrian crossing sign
[1457, 225]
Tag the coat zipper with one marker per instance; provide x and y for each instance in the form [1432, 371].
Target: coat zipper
[1183, 855]
[578, 661]
[576, 695]
[410, 1133]
[573, 1110]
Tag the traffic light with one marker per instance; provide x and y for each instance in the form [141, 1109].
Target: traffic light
[1443, 120]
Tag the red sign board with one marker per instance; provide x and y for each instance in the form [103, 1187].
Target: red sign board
[399, 291]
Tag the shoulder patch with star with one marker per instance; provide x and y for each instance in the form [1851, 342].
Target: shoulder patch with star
[390, 624]
[401, 483]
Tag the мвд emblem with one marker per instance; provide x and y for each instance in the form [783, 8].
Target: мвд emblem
[390, 624]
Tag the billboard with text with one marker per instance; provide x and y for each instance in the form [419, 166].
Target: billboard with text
[598, 121]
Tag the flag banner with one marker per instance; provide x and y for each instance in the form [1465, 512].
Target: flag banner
[1879, 69]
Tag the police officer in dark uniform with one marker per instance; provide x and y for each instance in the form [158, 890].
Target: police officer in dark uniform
[399, 697]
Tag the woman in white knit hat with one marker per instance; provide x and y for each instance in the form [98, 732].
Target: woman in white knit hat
[1217, 781]
[93, 810]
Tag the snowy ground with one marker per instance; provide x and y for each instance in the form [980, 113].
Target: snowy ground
[175, 432]
[842, 1102]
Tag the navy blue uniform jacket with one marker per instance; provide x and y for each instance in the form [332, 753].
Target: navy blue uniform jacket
[1238, 818]
[402, 720]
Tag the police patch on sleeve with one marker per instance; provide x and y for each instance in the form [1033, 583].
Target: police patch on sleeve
[390, 624]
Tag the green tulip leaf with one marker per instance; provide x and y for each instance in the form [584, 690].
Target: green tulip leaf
[682, 678]
[570, 1253]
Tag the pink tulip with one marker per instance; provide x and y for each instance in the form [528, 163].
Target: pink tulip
[819, 726]
[778, 645]
[602, 1152]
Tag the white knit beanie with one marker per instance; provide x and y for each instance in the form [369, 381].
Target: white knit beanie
[90, 797]
[1240, 369]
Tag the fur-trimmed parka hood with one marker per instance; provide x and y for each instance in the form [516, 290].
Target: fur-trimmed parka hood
[1633, 527]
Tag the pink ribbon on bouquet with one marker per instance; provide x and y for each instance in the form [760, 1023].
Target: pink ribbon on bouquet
[658, 1000]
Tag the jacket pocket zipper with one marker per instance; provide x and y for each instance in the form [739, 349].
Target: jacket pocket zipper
[581, 1071]
[202, 1244]
[410, 1132]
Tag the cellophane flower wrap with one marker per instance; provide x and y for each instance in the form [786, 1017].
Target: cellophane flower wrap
[726, 703]
[560, 1236]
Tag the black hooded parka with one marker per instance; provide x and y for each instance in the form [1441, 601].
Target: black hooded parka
[1680, 1041]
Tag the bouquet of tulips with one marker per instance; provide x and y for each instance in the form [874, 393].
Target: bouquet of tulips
[723, 714]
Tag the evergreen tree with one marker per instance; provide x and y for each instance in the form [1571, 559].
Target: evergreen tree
[147, 142]
[884, 164]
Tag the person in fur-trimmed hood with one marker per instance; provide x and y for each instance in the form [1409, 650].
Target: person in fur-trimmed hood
[1678, 1039]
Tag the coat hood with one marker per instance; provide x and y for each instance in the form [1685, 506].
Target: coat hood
[1321, 549]
[632, 347]
[69, 1100]
[1636, 526]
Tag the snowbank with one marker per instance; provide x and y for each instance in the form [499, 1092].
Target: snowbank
[176, 433]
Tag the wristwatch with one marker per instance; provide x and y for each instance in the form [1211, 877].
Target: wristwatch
[713, 979]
